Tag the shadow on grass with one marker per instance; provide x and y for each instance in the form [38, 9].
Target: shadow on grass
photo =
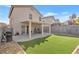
[69, 35]
[33, 42]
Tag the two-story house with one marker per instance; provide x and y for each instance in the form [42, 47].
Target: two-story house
[25, 19]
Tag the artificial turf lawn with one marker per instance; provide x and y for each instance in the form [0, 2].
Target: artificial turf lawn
[53, 44]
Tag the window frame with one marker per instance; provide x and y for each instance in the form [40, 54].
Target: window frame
[30, 16]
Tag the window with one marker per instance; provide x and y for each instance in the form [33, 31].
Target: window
[30, 16]
[39, 18]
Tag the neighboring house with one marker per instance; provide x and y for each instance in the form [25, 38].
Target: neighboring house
[56, 22]
[25, 19]
[3, 25]
[50, 19]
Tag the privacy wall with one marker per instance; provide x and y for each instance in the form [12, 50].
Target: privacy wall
[66, 29]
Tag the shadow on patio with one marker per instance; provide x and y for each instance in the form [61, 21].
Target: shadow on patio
[25, 45]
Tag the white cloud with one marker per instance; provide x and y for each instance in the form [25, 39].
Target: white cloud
[63, 18]
[4, 20]
[7, 5]
[51, 14]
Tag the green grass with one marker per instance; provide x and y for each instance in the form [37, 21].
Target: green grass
[53, 44]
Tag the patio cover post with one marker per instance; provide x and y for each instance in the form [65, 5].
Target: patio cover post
[42, 29]
[25, 29]
[30, 30]
[49, 29]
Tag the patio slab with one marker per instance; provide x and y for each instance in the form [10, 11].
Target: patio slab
[22, 38]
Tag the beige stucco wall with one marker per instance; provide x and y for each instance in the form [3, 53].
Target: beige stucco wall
[20, 14]
[33, 26]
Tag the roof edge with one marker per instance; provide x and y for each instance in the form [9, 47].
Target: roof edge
[12, 7]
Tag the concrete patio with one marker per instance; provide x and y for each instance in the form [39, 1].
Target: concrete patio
[11, 48]
[21, 38]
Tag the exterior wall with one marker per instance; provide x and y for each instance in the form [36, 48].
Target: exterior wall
[33, 27]
[37, 26]
[20, 14]
[25, 29]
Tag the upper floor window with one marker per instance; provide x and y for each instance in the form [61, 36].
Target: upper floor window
[39, 18]
[30, 16]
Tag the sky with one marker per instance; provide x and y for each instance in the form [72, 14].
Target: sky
[4, 12]
[61, 12]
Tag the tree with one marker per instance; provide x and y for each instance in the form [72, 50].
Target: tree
[73, 19]
[77, 21]
[73, 16]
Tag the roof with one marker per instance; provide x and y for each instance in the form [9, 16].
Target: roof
[49, 17]
[12, 7]
[2, 25]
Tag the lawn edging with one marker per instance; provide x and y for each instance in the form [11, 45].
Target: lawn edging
[22, 50]
[76, 50]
